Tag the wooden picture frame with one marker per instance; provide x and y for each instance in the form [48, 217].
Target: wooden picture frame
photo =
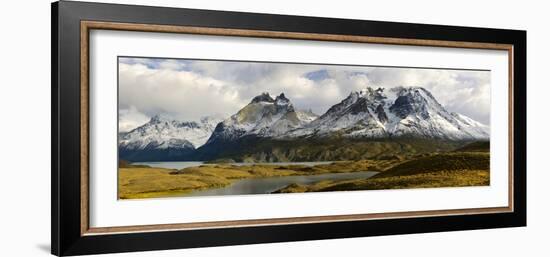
[71, 26]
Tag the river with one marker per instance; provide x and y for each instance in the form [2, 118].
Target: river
[270, 184]
[262, 185]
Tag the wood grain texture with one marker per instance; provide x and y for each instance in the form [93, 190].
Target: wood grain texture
[84, 129]
[86, 26]
[295, 220]
[288, 35]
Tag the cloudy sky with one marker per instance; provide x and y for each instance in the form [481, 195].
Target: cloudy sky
[191, 89]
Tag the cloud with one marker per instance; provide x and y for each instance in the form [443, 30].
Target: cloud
[178, 94]
[189, 90]
[465, 92]
[129, 118]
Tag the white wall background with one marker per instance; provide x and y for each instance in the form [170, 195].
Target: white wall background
[25, 127]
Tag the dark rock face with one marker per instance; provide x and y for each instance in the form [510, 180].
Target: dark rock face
[282, 104]
[402, 107]
[359, 107]
[178, 150]
[264, 97]
[165, 154]
[282, 98]
[224, 133]
[340, 106]
[409, 103]
[381, 113]
[378, 94]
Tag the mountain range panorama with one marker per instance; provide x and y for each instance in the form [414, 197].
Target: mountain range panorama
[366, 115]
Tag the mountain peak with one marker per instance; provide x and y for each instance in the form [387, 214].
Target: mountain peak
[263, 117]
[282, 97]
[282, 100]
[162, 132]
[401, 90]
[157, 118]
[404, 111]
[263, 97]
[369, 92]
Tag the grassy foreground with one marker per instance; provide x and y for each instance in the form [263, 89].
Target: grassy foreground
[455, 178]
[450, 169]
[146, 182]
[437, 170]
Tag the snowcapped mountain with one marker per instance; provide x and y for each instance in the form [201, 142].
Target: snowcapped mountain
[373, 113]
[270, 129]
[161, 132]
[162, 136]
[264, 116]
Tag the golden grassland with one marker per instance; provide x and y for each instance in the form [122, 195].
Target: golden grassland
[450, 169]
[146, 182]
[435, 170]
[446, 178]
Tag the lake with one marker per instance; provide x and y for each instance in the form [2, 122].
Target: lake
[270, 184]
[182, 165]
[262, 185]
[170, 165]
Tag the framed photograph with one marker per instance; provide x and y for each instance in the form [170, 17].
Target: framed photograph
[178, 128]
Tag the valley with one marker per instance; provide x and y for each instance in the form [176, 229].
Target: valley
[145, 182]
[449, 169]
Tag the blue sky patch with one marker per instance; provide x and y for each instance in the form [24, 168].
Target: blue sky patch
[318, 75]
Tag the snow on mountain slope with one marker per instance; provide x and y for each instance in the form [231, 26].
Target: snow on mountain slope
[306, 116]
[373, 113]
[369, 113]
[164, 133]
[262, 117]
[478, 129]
